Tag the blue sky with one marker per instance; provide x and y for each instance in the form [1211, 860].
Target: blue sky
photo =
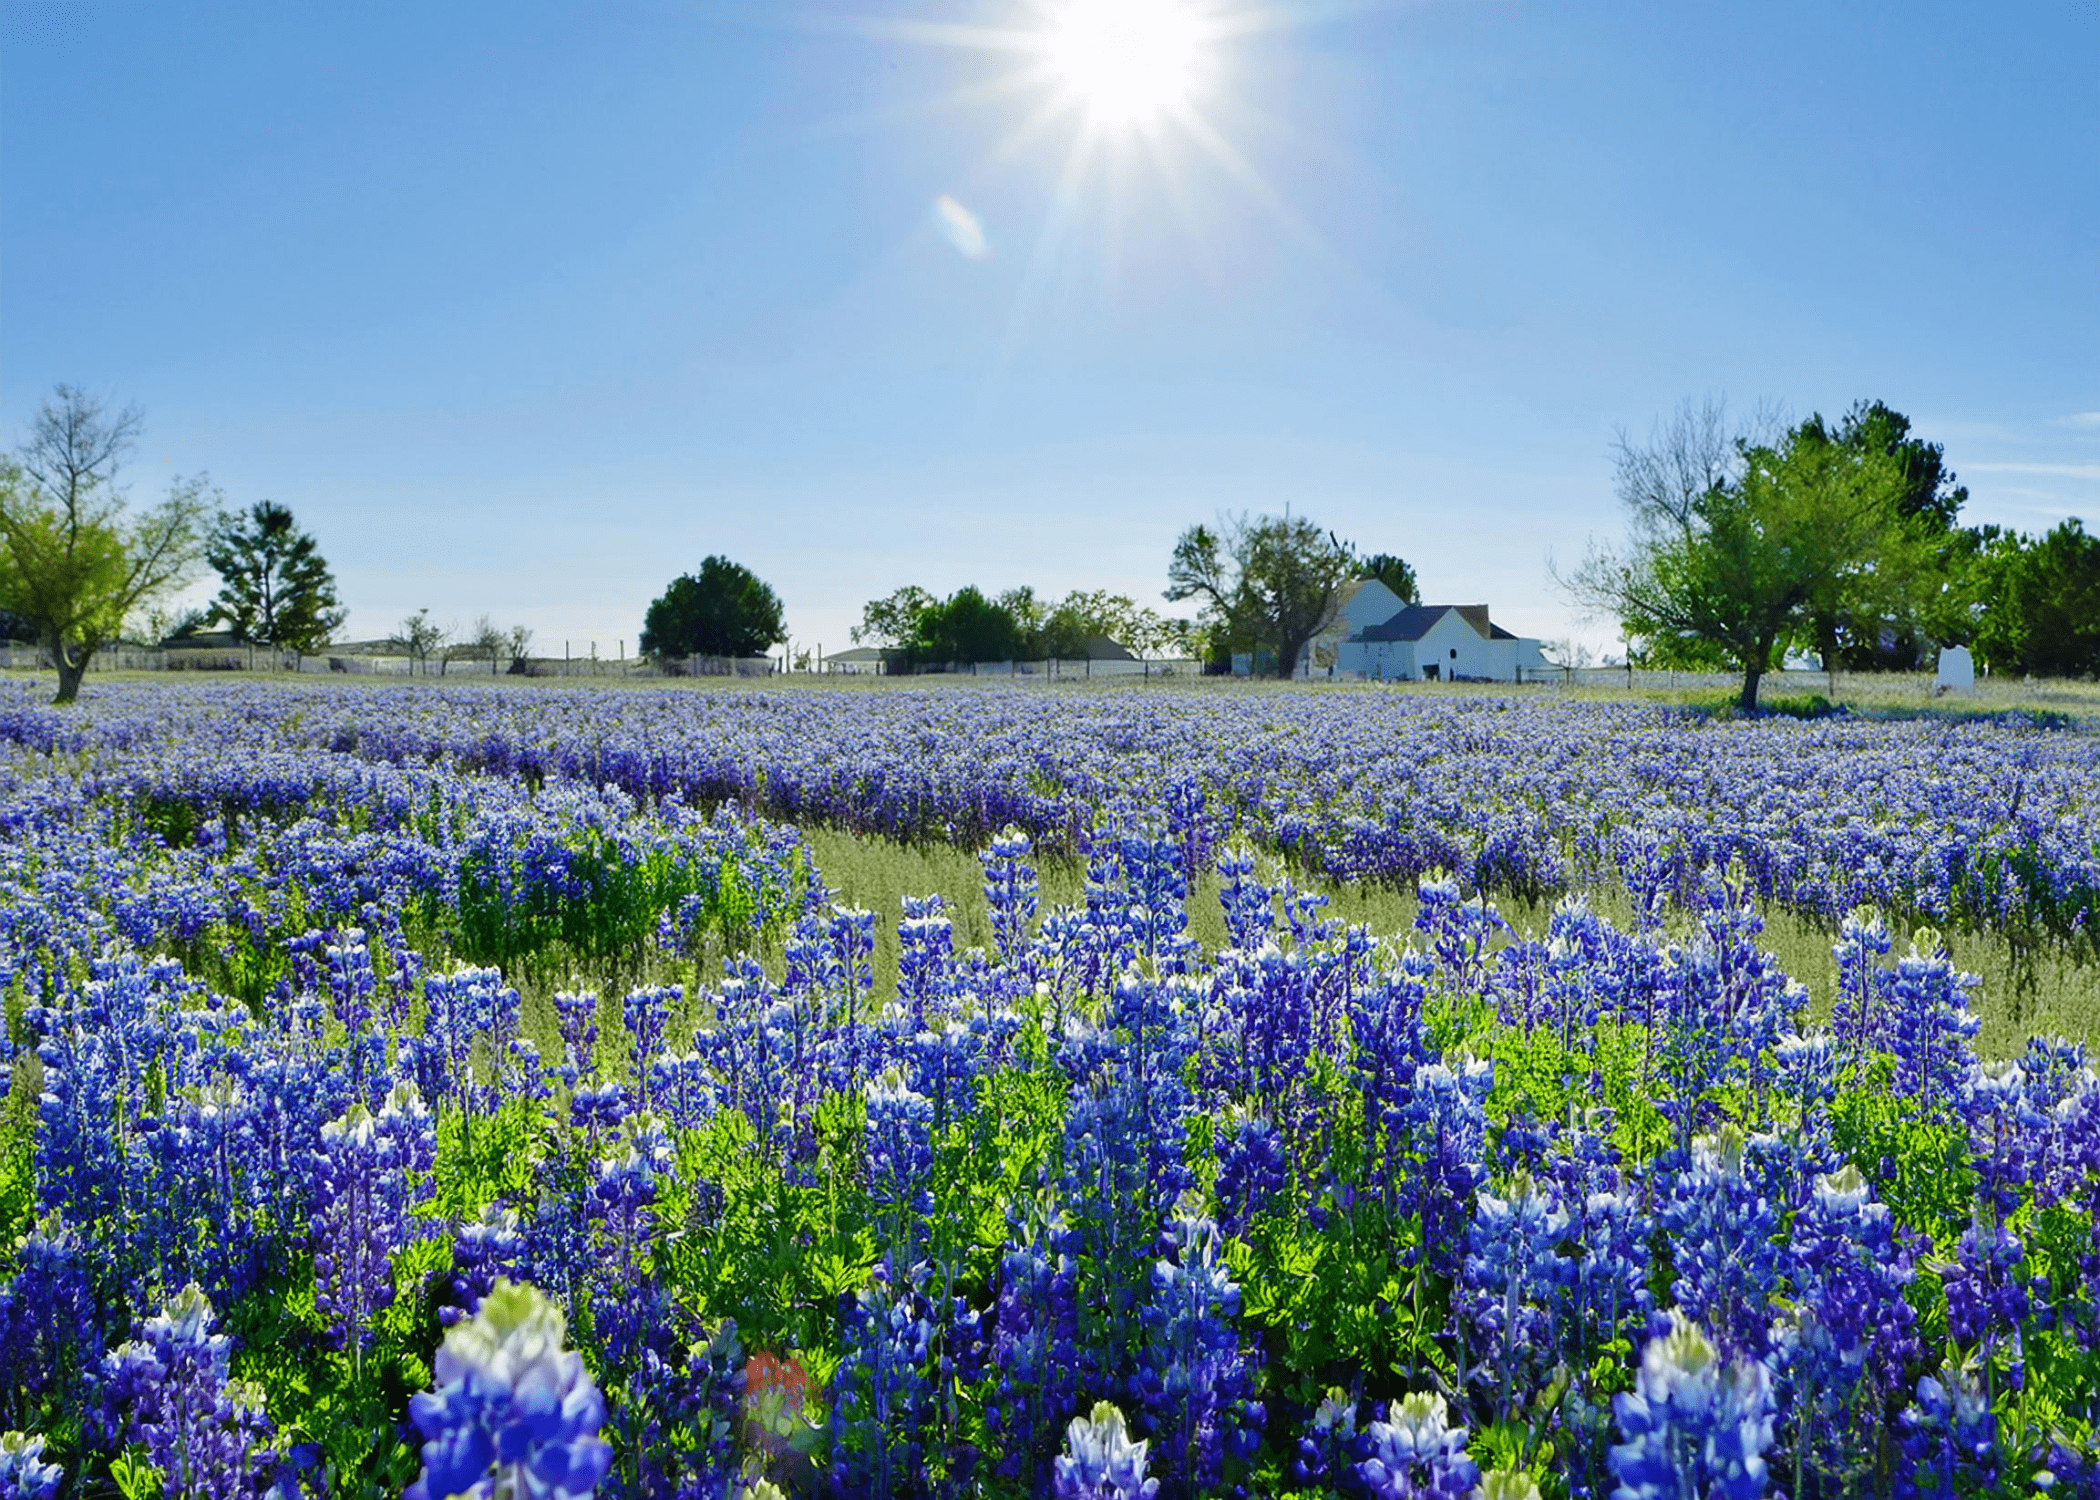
[526, 308]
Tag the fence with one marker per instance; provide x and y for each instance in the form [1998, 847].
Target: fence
[18, 656]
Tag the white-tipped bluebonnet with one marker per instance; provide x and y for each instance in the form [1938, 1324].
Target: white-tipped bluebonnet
[170, 1392]
[1417, 1453]
[374, 1170]
[1010, 889]
[881, 1396]
[1947, 1443]
[512, 1413]
[1195, 1383]
[23, 1473]
[1931, 1025]
[1101, 1461]
[1330, 1446]
[1852, 1329]
[1692, 1425]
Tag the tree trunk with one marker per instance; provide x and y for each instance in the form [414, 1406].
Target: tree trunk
[1753, 671]
[70, 671]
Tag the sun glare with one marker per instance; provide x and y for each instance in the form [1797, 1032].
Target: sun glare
[1128, 62]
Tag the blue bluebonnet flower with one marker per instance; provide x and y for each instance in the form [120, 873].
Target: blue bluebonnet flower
[1010, 889]
[1389, 1050]
[1253, 1170]
[881, 1397]
[1034, 1356]
[1416, 1453]
[484, 1251]
[48, 1330]
[1854, 1326]
[925, 959]
[1448, 1125]
[373, 1171]
[1721, 1220]
[646, 1013]
[1101, 1461]
[1509, 1286]
[576, 1013]
[1948, 1441]
[1692, 1425]
[1931, 1025]
[1250, 914]
[1860, 1018]
[1331, 1446]
[23, 1473]
[1460, 931]
[169, 1391]
[900, 1161]
[511, 1412]
[1195, 1383]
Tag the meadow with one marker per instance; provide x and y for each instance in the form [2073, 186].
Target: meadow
[960, 1090]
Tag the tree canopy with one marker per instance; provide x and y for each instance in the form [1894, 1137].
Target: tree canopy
[971, 626]
[1736, 537]
[722, 610]
[275, 587]
[1395, 573]
[2039, 601]
[74, 561]
[1888, 612]
[1270, 583]
[966, 627]
[892, 621]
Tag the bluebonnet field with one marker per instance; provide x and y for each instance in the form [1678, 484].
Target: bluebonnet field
[470, 1091]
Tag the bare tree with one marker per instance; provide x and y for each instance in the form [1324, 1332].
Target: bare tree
[71, 560]
[420, 635]
[518, 643]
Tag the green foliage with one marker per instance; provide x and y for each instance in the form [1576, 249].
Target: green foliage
[1347, 1297]
[1269, 584]
[2040, 604]
[1920, 1167]
[275, 587]
[723, 610]
[965, 627]
[72, 562]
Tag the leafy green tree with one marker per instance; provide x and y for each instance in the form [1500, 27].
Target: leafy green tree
[2040, 603]
[1087, 614]
[1734, 540]
[1887, 612]
[1271, 583]
[723, 610]
[966, 627]
[1395, 573]
[893, 621]
[73, 562]
[275, 587]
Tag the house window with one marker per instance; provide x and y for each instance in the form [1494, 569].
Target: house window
[1454, 653]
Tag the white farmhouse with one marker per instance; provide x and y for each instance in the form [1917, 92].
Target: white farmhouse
[1433, 642]
[1365, 603]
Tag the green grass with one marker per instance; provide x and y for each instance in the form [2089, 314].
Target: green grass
[2050, 994]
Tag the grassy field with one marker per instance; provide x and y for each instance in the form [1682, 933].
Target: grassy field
[2047, 994]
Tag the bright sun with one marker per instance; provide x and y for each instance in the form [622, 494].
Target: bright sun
[1128, 62]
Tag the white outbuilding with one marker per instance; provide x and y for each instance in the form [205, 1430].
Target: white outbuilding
[1439, 642]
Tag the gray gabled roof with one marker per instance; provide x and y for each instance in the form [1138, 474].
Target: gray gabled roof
[1414, 622]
